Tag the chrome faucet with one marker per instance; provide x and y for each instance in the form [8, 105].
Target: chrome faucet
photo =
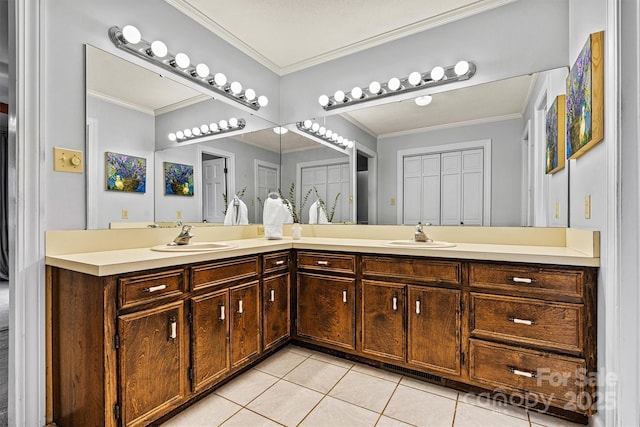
[184, 236]
[419, 235]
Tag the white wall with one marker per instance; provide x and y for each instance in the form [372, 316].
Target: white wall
[505, 165]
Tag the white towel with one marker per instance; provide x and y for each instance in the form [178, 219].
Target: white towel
[317, 214]
[237, 213]
[273, 217]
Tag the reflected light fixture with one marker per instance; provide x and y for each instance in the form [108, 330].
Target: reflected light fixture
[423, 100]
[223, 126]
[129, 39]
[314, 129]
[280, 130]
[462, 70]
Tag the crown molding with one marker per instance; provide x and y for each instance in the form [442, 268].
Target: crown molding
[452, 125]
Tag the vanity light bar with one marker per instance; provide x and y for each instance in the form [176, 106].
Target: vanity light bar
[313, 128]
[463, 70]
[129, 39]
[223, 126]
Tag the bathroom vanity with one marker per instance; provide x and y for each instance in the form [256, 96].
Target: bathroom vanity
[135, 334]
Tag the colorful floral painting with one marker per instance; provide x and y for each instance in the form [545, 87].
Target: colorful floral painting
[555, 135]
[584, 99]
[126, 173]
[178, 179]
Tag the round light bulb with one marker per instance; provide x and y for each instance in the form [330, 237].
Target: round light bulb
[236, 88]
[196, 131]
[335, 137]
[233, 122]
[131, 34]
[159, 49]
[223, 124]
[180, 134]
[280, 130]
[350, 144]
[329, 133]
[393, 83]
[220, 79]
[315, 127]
[437, 74]
[172, 136]
[423, 100]
[356, 92]
[307, 124]
[182, 60]
[263, 101]
[415, 78]
[323, 100]
[202, 70]
[375, 88]
[188, 133]
[213, 127]
[340, 139]
[204, 129]
[250, 94]
[322, 130]
[339, 96]
[461, 68]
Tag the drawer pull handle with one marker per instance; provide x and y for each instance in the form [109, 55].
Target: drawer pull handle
[522, 321]
[240, 306]
[272, 295]
[277, 263]
[221, 312]
[417, 306]
[173, 328]
[522, 280]
[395, 303]
[344, 296]
[155, 288]
[522, 373]
[326, 263]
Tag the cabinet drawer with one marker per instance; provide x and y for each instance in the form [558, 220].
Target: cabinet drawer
[327, 262]
[559, 379]
[419, 270]
[151, 287]
[207, 275]
[548, 324]
[277, 262]
[535, 280]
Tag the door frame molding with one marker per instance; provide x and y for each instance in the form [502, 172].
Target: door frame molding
[485, 144]
[373, 178]
[230, 177]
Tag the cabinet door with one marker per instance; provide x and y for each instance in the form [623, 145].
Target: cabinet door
[276, 312]
[209, 343]
[434, 328]
[383, 308]
[326, 309]
[153, 362]
[244, 301]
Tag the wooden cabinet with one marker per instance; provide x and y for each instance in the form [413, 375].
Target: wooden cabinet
[153, 359]
[245, 338]
[383, 320]
[276, 300]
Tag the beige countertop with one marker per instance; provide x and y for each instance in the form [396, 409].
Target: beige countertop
[117, 261]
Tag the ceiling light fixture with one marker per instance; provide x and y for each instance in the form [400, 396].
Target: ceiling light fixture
[462, 70]
[314, 129]
[280, 130]
[423, 100]
[204, 130]
[129, 39]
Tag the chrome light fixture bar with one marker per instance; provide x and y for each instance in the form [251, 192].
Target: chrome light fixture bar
[314, 129]
[129, 39]
[223, 126]
[438, 76]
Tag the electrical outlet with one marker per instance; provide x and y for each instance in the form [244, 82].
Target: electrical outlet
[125, 214]
[260, 230]
[587, 206]
[178, 214]
[557, 210]
[393, 201]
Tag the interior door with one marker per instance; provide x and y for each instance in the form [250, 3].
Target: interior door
[267, 181]
[472, 187]
[412, 190]
[451, 187]
[214, 184]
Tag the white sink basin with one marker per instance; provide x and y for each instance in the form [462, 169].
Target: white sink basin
[418, 245]
[195, 247]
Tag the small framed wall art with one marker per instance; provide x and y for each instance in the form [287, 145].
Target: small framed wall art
[178, 179]
[585, 98]
[555, 126]
[126, 173]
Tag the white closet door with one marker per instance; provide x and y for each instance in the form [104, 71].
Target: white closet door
[267, 182]
[338, 181]
[431, 189]
[214, 187]
[472, 186]
[451, 188]
[412, 191]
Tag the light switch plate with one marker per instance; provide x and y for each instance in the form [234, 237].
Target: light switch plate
[67, 160]
[587, 206]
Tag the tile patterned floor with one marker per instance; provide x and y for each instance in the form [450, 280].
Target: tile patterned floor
[300, 387]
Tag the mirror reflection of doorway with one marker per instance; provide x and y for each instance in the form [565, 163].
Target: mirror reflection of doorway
[214, 184]
[267, 180]
[362, 189]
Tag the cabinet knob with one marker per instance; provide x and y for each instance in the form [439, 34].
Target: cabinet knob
[522, 321]
[155, 288]
[240, 306]
[325, 263]
[272, 295]
[221, 312]
[522, 373]
[173, 328]
[522, 280]
[277, 263]
[344, 296]
[395, 303]
[417, 306]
